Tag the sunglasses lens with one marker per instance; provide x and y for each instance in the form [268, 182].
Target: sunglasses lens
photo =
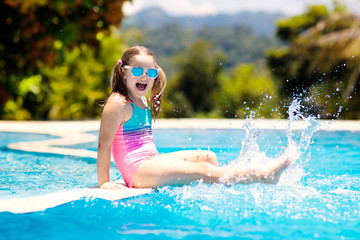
[137, 71]
[152, 72]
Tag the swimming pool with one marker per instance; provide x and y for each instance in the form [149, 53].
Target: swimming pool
[318, 198]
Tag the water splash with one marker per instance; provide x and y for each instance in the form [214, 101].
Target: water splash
[250, 150]
[323, 199]
[299, 140]
[299, 132]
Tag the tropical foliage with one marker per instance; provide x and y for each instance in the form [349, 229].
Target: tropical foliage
[203, 88]
[57, 56]
[45, 52]
[322, 61]
[246, 90]
[196, 81]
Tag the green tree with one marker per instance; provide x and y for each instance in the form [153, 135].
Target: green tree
[322, 61]
[196, 81]
[73, 89]
[39, 34]
[247, 89]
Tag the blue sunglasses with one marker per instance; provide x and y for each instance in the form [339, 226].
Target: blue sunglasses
[138, 71]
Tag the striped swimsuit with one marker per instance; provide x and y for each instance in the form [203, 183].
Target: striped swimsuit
[133, 143]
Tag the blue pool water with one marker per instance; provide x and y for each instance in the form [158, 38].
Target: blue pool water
[317, 198]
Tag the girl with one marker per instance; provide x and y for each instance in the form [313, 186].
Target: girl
[125, 132]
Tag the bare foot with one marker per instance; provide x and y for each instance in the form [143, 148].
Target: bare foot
[267, 174]
[273, 173]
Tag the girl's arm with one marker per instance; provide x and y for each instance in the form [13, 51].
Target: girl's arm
[113, 114]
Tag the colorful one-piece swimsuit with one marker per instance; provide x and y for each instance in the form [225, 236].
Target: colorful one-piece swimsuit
[133, 143]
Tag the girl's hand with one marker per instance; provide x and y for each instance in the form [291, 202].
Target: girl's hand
[112, 186]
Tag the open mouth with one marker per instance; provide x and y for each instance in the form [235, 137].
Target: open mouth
[141, 86]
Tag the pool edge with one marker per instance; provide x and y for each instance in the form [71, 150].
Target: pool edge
[51, 200]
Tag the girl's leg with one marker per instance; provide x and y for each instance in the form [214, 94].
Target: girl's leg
[172, 169]
[192, 156]
[161, 171]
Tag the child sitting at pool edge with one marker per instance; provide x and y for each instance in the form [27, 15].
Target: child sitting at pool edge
[125, 132]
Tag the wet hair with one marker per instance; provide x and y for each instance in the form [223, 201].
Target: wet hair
[117, 80]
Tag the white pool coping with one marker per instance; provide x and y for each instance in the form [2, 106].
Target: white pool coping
[43, 202]
[74, 132]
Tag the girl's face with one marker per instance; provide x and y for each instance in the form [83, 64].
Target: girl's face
[139, 86]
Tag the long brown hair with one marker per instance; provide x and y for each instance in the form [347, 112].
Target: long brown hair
[118, 83]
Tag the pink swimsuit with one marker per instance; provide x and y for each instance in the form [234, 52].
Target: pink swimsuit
[133, 143]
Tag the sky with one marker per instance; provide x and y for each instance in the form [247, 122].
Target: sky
[211, 7]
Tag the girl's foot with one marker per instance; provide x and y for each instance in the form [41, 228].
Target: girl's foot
[273, 173]
[267, 174]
